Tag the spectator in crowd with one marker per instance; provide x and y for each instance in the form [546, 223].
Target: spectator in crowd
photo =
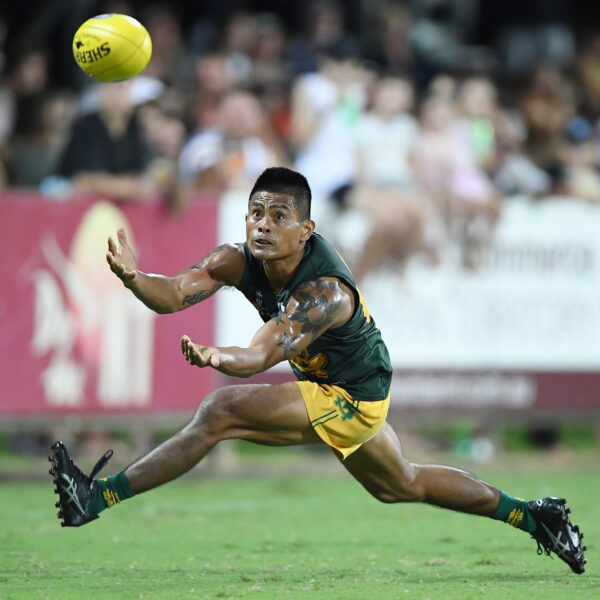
[447, 170]
[171, 62]
[514, 173]
[326, 109]
[239, 41]
[384, 188]
[587, 68]
[547, 103]
[387, 38]
[439, 36]
[26, 92]
[325, 29]
[579, 156]
[38, 144]
[270, 68]
[234, 151]
[477, 106]
[213, 77]
[107, 152]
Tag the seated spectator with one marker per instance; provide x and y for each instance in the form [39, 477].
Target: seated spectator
[235, 151]
[448, 172]
[269, 66]
[108, 139]
[587, 67]
[37, 147]
[238, 42]
[548, 104]
[513, 172]
[326, 108]
[324, 28]
[384, 189]
[387, 38]
[579, 153]
[477, 107]
[22, 100]
[170, 63]
[107, 152]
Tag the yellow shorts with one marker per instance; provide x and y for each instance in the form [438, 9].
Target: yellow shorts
[340, 421]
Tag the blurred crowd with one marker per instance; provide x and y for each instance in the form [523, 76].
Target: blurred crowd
[393, 109]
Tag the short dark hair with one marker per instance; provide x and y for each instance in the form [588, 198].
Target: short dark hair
[285, 181]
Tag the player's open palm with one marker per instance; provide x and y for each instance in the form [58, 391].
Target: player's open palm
[201, 356]
[122, 260]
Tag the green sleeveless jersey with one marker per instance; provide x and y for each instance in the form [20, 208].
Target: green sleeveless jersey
[353, 356]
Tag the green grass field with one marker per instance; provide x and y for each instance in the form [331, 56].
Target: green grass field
[288, 537]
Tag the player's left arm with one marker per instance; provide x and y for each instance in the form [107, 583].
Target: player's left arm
[315, 307]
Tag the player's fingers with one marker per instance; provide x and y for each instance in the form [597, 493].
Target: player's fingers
[112, 247]
[122, 237]
[215, 359]
[112, 263]
[184, 341]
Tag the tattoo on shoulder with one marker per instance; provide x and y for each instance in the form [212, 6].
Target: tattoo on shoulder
[315, 310]
[209, 257]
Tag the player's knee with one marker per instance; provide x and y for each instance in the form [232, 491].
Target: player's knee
[214, 415]
[404, 487]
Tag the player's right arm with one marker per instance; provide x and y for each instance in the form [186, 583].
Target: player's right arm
[221, 267]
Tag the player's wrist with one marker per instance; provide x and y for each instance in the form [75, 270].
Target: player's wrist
[132, 281]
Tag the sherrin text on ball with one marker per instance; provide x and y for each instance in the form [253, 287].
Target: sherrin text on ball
[112, 47]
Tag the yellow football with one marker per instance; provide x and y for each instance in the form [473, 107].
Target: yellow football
[112, 47]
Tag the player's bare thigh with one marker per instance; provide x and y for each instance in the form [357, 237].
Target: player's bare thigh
[380, 466]
[265, 414]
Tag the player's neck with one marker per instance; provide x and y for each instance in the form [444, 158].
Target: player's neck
[280, 271]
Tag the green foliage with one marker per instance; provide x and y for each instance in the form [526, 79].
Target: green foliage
[287, 537]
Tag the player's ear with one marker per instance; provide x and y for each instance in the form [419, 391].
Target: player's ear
[308, 227]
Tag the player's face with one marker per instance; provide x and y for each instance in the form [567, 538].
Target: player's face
[273, 226]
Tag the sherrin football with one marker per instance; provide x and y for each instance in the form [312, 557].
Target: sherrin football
[112, 47]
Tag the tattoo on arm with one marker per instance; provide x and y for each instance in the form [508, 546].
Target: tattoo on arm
[199, 296]
[204, 294]
[316, 311]
[279, 319]
[288, 345]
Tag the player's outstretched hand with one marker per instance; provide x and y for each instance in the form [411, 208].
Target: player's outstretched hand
[201, 356]
[122, 262]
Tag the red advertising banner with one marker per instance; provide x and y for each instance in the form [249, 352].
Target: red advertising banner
[72, 338]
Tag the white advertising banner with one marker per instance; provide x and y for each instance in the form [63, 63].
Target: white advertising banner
[534, 304]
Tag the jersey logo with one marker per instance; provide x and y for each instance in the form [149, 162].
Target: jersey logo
[311, 364]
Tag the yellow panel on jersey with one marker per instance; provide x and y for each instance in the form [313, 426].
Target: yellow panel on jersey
[342, 422]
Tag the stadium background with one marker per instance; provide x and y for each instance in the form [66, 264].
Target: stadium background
[491, 312]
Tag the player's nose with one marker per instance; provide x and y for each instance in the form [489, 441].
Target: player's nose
[264, 226]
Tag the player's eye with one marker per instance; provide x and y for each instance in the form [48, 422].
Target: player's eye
[279, 216]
